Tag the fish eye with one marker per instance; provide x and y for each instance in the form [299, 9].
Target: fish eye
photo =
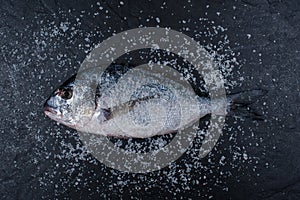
[66, 94]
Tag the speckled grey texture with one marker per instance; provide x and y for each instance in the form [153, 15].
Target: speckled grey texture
[42, 43]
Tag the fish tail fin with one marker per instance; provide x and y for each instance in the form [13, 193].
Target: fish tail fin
[239, 104]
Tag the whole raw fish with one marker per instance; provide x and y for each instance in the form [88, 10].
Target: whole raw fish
[139, 105]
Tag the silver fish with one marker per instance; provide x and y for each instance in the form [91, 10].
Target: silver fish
[125, 106]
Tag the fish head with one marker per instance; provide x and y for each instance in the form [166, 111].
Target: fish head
[59, 105]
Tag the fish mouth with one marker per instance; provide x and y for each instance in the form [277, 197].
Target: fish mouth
[48, 110]
[53, 114]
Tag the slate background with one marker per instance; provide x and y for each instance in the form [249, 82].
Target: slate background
[30, 70]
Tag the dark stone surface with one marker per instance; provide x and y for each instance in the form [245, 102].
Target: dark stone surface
[42, 43]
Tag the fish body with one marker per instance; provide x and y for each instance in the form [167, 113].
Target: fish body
[137, 104]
